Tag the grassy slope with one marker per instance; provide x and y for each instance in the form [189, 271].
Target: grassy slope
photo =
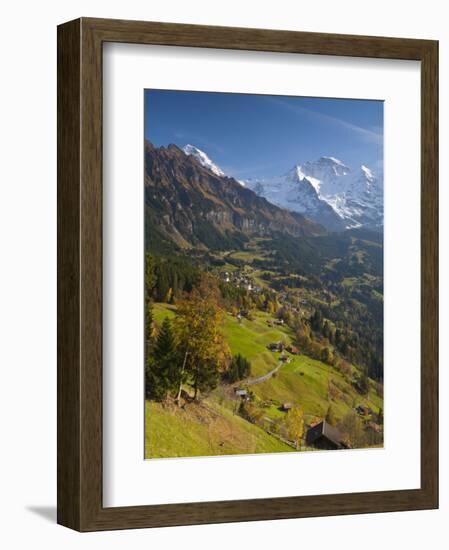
[212, 428]
[204, 429]
[309, 389]
[304, 382]
[250, 338]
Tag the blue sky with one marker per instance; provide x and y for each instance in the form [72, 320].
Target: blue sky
[263, 136]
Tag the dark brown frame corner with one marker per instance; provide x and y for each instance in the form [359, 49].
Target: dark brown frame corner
[80, 274]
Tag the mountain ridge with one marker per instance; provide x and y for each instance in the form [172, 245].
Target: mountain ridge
[342, 198]
[203, 159]
[188, 205]
[356, 197]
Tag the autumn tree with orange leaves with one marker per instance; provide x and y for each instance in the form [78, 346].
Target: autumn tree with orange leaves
[198, 330]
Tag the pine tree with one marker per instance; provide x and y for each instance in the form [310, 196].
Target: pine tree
[163, 285]
[149, 284]
[148, 327]
[316, 321]
[239, 369]
[363, 382]
[338, 338]
[163, 368]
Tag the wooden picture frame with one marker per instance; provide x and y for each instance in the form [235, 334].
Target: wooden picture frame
[80, 504]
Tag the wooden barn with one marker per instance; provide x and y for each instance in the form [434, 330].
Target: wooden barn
[276, 346]
[326, 437]
[293, 350]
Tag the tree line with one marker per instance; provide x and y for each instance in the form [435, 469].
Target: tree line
[359, 346]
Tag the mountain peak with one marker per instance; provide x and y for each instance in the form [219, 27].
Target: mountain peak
[325, 168]
[334, 161]
[203, 159]
[353, 197]
[192, 150]
[195, 209]
[173, 147]
[368, 173]
[295, 174]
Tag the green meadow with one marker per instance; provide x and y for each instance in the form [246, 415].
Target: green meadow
[212, 425]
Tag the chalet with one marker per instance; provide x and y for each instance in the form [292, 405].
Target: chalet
[276, 346]
[326, 437]
[279, 322]
[284, 359]
[293, 350]
[285, 407]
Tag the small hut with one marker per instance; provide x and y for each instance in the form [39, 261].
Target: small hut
[275, 346]
[325, 437]
[293, 350]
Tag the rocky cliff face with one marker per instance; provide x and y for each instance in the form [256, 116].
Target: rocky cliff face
[192, 206]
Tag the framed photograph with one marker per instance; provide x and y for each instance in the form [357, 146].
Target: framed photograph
[247, 274]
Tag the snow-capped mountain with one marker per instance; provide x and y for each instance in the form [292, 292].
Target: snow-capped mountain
[356, 198]
[326, 191]
[294, 192]
[203, 159]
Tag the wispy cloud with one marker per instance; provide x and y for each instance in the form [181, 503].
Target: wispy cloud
[369, 135]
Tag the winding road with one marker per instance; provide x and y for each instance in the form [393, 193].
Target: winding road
[260, 379]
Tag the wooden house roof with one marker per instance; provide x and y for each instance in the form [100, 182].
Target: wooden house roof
[324, 429]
